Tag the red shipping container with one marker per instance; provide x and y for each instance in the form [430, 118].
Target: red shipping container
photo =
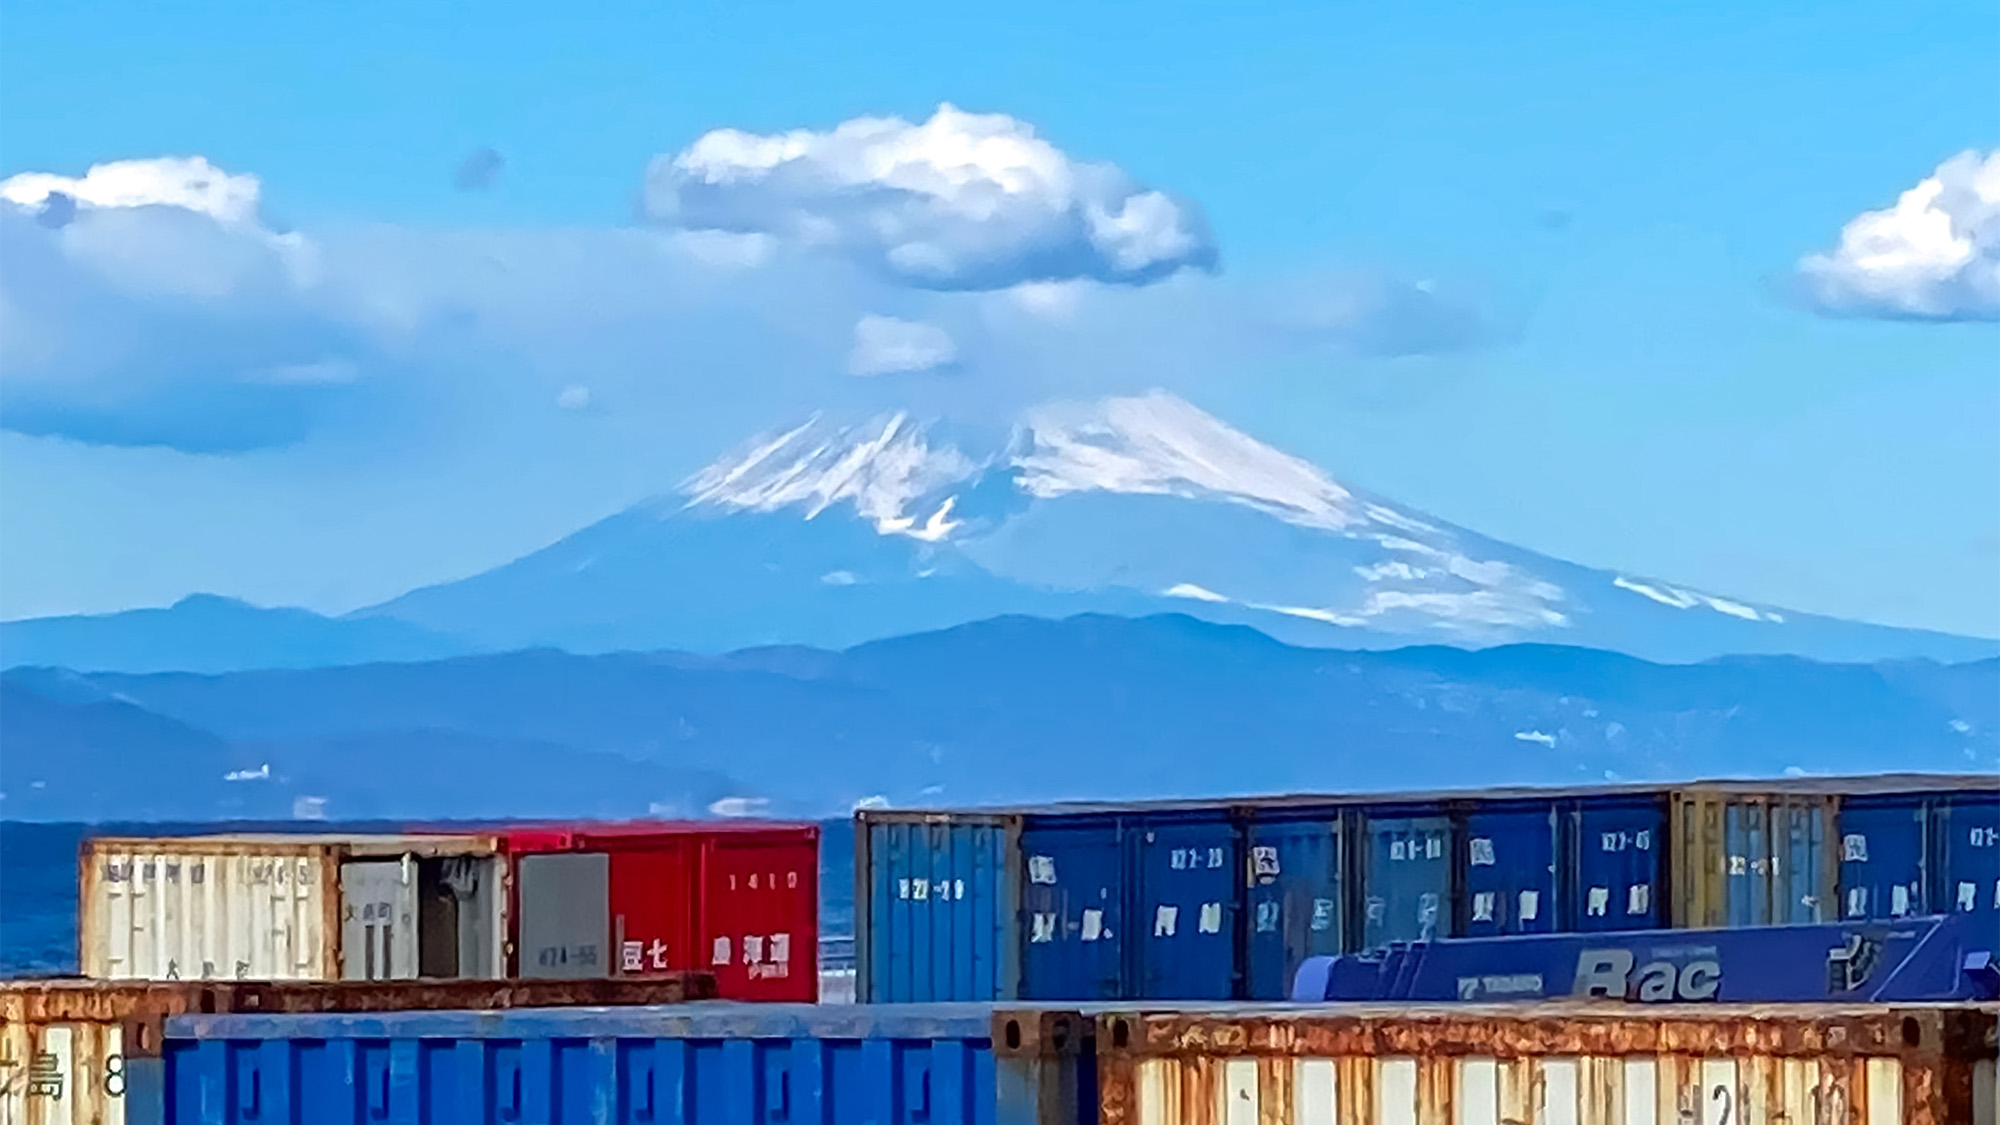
[638, 899]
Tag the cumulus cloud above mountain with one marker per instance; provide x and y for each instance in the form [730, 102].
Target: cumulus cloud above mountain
[961, 201]
[1934, 255]
[885, 345]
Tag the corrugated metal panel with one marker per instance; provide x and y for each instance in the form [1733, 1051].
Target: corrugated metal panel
[887, 1064]
[1186, 886]
[652, 924]
[937, 904]
[1885, 856]
[1074, 903]
[759, 913]
[1970, 827]
[1717, 1066]
[1753, 859]
[1507, 872]
[1617, 874]
[1296, 898]
[1407, 886]
[174, 910]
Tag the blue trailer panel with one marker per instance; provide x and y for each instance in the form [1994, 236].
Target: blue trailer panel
[1970, 827]
[938, 903]
[1295, 899]
[1073, 898]
[1507, 879]
[1908, 961]
[1616, 872]
[1186, 891]
[1884, 856]
[1408, 880]
[705, 1064]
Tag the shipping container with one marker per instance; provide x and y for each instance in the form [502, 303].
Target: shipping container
[937, 900]
[1887, 855]
[1943, 957]
[1085, 901]
[81, 1052]
[740, 900]
[1297, 897]
[890, 1064]
[292, 907]
[1568, 1063]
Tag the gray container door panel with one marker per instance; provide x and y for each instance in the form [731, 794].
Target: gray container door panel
[378, 921]
[565, 916]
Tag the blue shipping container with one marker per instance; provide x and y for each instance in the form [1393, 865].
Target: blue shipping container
[1885, 855]
[1615, 877]
[1187, 889]
[703, 1064]
[1508, 872]
[1073, 902]
[1296, 903]
[937, 906]
[1408, 880]
[1969, 824]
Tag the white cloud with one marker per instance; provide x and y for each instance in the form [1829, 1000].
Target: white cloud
[962, 201]
[189, 183]
[574, 398]
[884, 345]
[1934, 255]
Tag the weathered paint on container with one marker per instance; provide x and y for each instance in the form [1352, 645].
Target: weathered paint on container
[892, 1064]
[1297, 898]
[1507, 872]
[740, 900]
[1617, 867]
[1406, 887]
[1074, 903]
[281, 907]
[1969, 825]
[1550, 1063]
[1186, 883]
[1754, 859]
[937, 902]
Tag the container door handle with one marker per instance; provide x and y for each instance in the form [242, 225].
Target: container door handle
[249, 1089]
[778, 1097]
[510, 1109]
[921, 1109]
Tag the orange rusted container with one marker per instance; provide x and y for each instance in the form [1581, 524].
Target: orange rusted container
[1584, 1064]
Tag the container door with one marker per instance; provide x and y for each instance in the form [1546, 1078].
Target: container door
[1189, 888]
[1295, 901]
[760, 918]
[1883, 867]
[941, 911]
[652, 910]
[1508, 877]
[378, 920]
[1970, 828]
[1615, 872]
[565, 918]
[1073, 903]
[1408, 880]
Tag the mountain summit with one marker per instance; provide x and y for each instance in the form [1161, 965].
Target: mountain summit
[832, 532]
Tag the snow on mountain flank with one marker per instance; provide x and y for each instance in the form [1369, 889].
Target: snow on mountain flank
[1690, 599]
[881, 467]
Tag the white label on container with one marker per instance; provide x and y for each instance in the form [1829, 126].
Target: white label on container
[1211, 918]
[1165, 919]
[902, 888]
[781, 948]
[1322, 914]
[1264, 862]
[1482, 906]
[721, 952]
[753, 948]
[1967, 896]
[1043, 929]
[1434, 847]
[1482, 852]
[1042, 869]
[1857, 903]
[632, 956]
[1639, 899]
[1268, 914]
[1899, 900]
[1531, 905]
[921, 890]
[1854, 848]
[1600, 901]
[1398, 850]
[1093, 925]
[1427, 910]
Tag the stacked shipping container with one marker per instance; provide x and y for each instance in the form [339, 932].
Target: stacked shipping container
[1223, 900]
[547, 902]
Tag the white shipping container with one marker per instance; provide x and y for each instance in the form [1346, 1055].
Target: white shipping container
[281, 907]
[69, 1073]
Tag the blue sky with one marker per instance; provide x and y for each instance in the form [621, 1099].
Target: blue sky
[1621, 200]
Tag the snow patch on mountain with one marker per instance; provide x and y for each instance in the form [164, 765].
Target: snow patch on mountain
[1691, 599]
[882, 468]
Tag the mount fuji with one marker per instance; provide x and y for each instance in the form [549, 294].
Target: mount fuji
[837, 531]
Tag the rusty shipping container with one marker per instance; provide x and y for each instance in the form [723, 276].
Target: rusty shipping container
[83, 1052]
[292, 907]
[1567, 1064]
